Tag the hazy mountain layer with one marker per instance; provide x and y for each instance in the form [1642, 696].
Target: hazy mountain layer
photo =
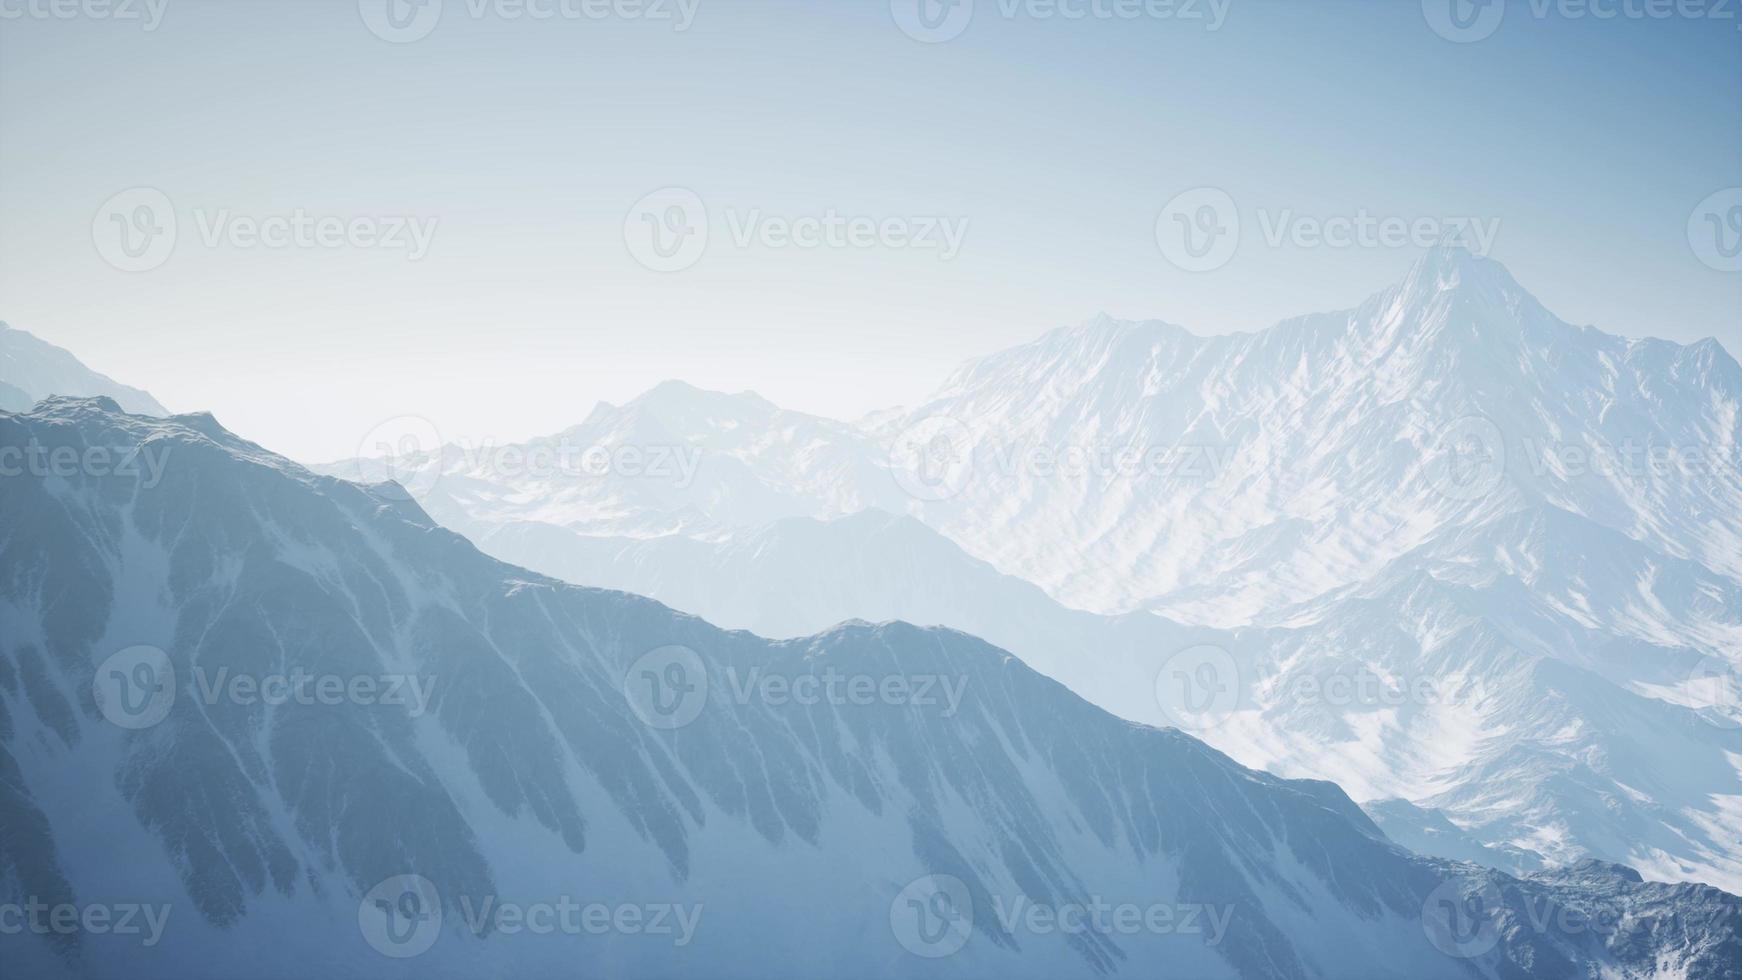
[1529, 528]
[31, 370]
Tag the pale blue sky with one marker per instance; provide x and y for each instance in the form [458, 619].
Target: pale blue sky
[1059, 141]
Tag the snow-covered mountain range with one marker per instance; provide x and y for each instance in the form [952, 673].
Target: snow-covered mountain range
[1451, 550]
[1323, 440]
[510, 775]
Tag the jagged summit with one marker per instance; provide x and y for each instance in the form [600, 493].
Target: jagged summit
[1455, 259]
[1448, 290]
[675, 392]
[1452, 281]
[75, 404]
[679, 403]
[1100, 333]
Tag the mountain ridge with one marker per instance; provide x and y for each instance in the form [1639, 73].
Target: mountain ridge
[32, 369]
[1447, 452]
[244, 559]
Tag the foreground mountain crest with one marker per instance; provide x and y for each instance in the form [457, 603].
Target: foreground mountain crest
[517, 772]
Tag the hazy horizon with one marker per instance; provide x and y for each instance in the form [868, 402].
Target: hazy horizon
[400, 421]
[966, 192]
